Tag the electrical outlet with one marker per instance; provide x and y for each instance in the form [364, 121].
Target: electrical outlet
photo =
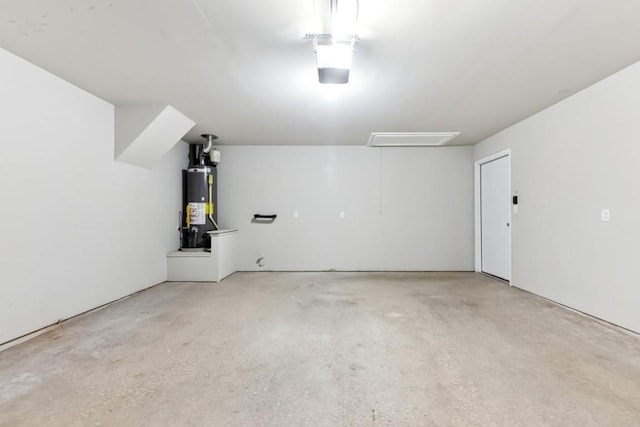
[342, 214]
[605, 215]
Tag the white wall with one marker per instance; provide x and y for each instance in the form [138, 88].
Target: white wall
[78, 230]
[405, 208]
[568, 162]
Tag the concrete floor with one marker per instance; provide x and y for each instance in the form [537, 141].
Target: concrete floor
[326, 349]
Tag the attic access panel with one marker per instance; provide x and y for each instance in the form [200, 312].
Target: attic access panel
[410, 139]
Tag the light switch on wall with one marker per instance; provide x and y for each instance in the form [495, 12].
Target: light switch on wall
[605, 215]
[295, 214]
[342, 214]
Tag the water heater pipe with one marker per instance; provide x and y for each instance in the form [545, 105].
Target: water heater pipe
[211, 205]
[209, 144]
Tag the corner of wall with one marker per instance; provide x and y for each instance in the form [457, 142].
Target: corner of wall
[146, 132]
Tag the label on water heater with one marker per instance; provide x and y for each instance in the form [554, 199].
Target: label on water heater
[197, 214]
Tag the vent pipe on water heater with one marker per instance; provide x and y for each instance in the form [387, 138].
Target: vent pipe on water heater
[214, 155]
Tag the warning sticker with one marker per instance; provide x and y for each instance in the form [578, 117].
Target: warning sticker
[197, 214]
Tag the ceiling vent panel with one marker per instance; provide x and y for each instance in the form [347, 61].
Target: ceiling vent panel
[410, 139]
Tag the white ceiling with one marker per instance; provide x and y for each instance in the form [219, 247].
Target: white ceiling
[241, 69]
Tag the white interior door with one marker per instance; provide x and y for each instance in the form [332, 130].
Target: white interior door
[495, 211]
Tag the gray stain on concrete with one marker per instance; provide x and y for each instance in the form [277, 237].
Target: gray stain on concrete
[290, 349]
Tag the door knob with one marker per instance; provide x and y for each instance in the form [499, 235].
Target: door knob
[508, 225]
